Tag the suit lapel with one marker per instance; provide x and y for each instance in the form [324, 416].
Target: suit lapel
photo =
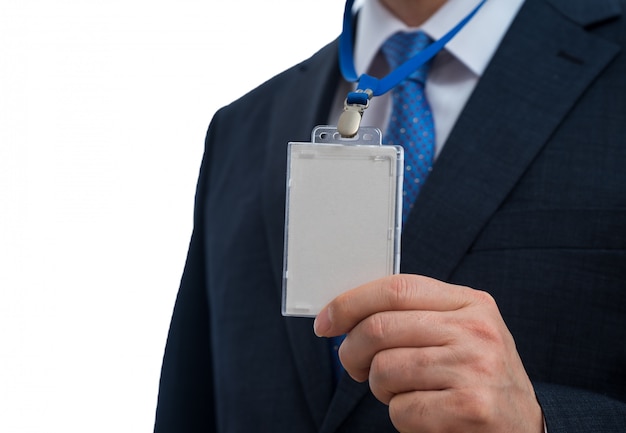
[541, 68]
[348, 394]
[299, 106]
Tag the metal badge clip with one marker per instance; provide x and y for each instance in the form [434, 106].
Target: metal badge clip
[354, 106]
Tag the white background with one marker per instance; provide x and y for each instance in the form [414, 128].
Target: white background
[103, 111]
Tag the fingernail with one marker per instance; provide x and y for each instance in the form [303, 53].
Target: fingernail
[322, 323]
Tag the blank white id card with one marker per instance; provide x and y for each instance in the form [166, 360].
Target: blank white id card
[343, 217]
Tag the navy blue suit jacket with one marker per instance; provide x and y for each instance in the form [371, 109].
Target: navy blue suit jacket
[527, 201]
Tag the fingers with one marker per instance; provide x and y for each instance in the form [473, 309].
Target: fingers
[440, 355]
[443, 411]
[398, 371]
[393, 329]
[394, 293]
[467, 410]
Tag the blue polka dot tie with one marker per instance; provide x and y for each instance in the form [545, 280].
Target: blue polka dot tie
[411, 124]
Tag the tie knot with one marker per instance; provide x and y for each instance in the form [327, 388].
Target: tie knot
[401, 46]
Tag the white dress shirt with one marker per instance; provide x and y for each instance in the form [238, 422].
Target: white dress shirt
[455, 70]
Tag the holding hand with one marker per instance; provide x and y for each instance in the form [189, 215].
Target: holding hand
[439, 355]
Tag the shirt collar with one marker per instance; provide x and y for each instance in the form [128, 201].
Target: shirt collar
[473, 46]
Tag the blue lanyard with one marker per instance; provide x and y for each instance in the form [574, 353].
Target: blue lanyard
[369, 86]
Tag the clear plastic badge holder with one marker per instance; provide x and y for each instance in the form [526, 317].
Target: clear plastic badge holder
[343, 216]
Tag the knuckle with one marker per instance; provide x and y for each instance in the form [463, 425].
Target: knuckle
[405, 414]
[374, 327]
[482, 330]
[474, 407]
[381, 367]
[484, 298]
[485, 326]
[400, 290]
[488, 359]
[379, 377]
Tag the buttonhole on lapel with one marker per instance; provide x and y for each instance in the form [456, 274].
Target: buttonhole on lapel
[570, 57]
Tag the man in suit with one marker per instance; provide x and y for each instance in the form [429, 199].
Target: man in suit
[511, 307]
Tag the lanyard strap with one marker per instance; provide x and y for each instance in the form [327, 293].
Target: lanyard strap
[369, 86]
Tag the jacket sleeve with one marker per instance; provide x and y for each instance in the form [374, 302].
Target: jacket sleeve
[569, 410]
[186, 402]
